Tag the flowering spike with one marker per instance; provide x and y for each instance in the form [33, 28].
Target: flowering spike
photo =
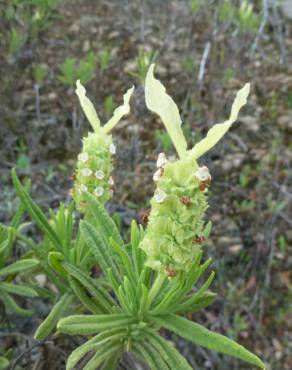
[94, 166]
[162, 104]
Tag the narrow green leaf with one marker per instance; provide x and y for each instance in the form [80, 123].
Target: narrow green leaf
[105, 301]
[48, 325]
[10, 303]
[98, 248]
[174, 359]
[79, 352]
[102, 220]
[125, 259]
[55, 262]
[143, 354]
[83, 297]
[198, 334]
[102, 355]
[196, 297]
[91, 324]
[35, 212]
[19, 266]
[205, 300]
[21, 290]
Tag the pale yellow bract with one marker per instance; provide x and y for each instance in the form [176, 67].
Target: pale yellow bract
[87, 106]
[162, 104]
[220, 129]
[90, 112]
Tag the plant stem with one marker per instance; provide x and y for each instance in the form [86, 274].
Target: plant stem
[156, 286]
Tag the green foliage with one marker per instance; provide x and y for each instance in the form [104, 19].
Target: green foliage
[163, 140]
[144, 59]
[27, 19]
[40, 72]
[244, 16]
[83, 70]
[145, 283]
[196, 5]
[248, 20]
[104, 59]
[10, 270]
[15, 41]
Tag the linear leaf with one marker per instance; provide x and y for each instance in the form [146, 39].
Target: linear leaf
[102, 220]
[48, 325]
[21, 290]
[90, 324]
[13, 306]
[105, 301]
[19, 266]
[99, 249]
[102, 354]
[171, 355]
[200, 335]
[79, 352]
[35, 212]
[83, 297]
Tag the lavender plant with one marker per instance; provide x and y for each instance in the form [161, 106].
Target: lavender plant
[149, 282]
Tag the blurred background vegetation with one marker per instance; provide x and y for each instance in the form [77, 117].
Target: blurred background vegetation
[205, 50]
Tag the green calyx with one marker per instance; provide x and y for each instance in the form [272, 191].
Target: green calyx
[175, 231]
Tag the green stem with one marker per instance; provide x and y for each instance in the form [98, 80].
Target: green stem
[156, 286]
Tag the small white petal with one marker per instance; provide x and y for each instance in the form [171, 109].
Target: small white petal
[99, 174]
[202, 174]
[159, 196]
[86, 172]
[157, 174]
[98, 191]
[83, 157]
[82, 188]
[111, 181]
[112, 148]
[161, 160]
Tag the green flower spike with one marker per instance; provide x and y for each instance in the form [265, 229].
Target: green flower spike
[176, 229]
[94, 166]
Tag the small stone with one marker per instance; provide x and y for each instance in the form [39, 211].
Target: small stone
[83, 157]
[99, 191]
[112, 148]
[161, 160]
[159, 196]
[86, 172]
[99, 174]
[111, 181]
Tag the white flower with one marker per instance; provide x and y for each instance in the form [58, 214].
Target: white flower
[112, 148]
[98, 191]
[82, 188]
[202, 174]
[157, 174]
[99, 174]
[159, 196]
[86, 172]
[111, 181]
[83, 157]
[161, 160]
